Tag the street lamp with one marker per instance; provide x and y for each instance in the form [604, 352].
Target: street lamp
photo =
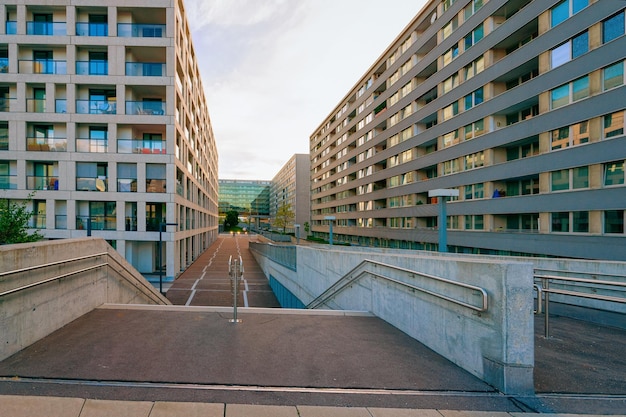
[297, 226]
[162, 227]
[330, 231]
[442, 194]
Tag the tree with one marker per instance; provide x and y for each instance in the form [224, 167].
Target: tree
[284, 216]
[14, 218]
[232, 220]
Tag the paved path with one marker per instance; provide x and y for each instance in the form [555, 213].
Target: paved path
[206, 282]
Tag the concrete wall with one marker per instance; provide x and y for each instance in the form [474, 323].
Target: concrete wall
[30, 314]
[496, 346]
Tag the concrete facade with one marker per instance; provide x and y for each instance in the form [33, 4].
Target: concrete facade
[515, 104]
[291, 186]
[103, 119]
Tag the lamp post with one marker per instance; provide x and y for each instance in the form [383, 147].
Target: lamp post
[442, 194]
[297, 226]
[330, 231]
[162, 227]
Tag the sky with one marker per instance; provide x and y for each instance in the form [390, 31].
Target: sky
[273, 70]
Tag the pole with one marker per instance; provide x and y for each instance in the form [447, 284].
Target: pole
[443, 238]
[160, 265]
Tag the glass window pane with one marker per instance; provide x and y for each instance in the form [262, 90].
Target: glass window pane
[614, 221]
[580, 222]
[155, 171]
[560, 96]
[614, 173]
[560, 55]
[580, 44]
[580, 88]
[560, 12]
[580, 177]
[560, 180]
[613, 27]
[578, 5]
[614, 75]
[560, 222]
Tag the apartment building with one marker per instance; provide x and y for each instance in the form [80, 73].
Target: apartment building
[291, 187]
[519, 105]
[103, 120]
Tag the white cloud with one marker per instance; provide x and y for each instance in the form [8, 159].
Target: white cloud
[273, 69]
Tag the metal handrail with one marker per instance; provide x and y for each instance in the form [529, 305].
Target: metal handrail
[34, 267]
[544, 291]
[343, 282]
[45, 281]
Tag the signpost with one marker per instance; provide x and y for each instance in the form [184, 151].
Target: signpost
[330, 231]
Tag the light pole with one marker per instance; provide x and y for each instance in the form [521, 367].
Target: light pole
[297, 226]
[330, 231]
[162, 227]
[442, 194]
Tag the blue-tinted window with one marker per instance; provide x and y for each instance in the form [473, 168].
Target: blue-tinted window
[580, 44]
[613, 27]
[560, 12]
[578, 5]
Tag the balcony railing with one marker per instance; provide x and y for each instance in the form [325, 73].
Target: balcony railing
[11, 27]
[6, 104]
[97, 222]
[42, 66]
[4, 65]
[141, 146]
[145, 107]
[92, 184]
[60, 221]
[131, 223]
[60, 105]
[153, 224]
[42, 182]
[138, 30]
[37, 221]
[127, 185]
[95, 107]
[46, 28]
[92, 145]
[92, 29]
[35, 105]
[155, 186]
[8, 182]
[46, 144]
[145, 69]
[4, 140]
[92, 68]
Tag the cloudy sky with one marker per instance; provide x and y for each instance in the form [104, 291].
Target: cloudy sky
[274, 69]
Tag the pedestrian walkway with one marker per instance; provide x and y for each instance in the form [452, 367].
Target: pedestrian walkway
[207, 283]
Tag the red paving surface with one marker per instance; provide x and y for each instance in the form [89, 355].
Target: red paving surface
[207, 283]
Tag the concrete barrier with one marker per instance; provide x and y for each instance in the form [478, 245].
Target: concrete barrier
[496, 346]
[35, 303]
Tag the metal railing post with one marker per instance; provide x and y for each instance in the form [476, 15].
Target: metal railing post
[546, 308]
[235, 268]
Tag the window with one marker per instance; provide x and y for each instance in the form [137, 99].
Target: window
[613, 124]
[613, 76]
[447, 4]
[450, 167]
[450, 54]
[474, 99]
[573, 135]
[560, 222]
[91, 176]
[475, 129]
[565, 10]
[574, 222]
[474, 222]
[472, 8]
[613, 27]
[98, 63]
[474, 68]
[4, 136]
[475, 160]
[155, 178]
[569, 93]
[571, 49]
[614, 221]
[451, 111]
[577, 177]
[450, 27]
[103, 215]
[451, 138]
[474, 36]
[614, 173]
[126, 178]
[474, 191]
[450, 83]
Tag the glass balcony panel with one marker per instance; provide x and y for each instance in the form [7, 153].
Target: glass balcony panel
[60, 221]
[95, 107]
[96, 222]
[92, 145]
[92, 68]
[46, 28]
[6, 104]
[46, 144]
[11, 27]
[8, 182]
[132, 30]
[155, 186]
[92, 29]
[131, 224]
[91, 184]
[38, 221]
[127, 185]
[60, 105]
[145, 69]
[35, 105]
[141, 146]
[4, 65]
[42, 183]
[145, 107]
[42, 66]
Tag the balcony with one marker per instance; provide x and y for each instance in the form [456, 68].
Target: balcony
[11, 27]
[48, 66]
[37, 221]
[96, 107]
[127, 185]
[140, 30]
[141, 146]
[46, 144]
[60, 105]
[96, 222]
[34, 182]
[155, 186]
[60, 221]
[92, 29]
[131, 223]
[92, 145]
[8, 182]
[145, 69]
[92, 184]
[4, 65]
[146, 107]
[46, 28]
[35, 105]
[6, 104]
[92, 68]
